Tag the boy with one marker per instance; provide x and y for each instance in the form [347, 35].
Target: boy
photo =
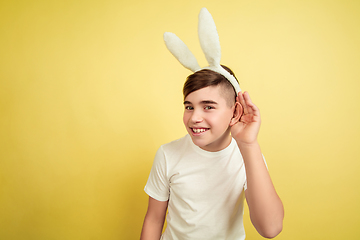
[203, 178]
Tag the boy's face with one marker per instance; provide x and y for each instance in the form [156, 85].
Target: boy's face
[207, 116]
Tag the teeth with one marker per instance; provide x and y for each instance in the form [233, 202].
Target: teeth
[198, 130]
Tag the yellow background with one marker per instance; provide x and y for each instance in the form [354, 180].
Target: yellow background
[89, 92]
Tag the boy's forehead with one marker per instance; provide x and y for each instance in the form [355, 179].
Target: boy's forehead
[210, 93]
[219, 94]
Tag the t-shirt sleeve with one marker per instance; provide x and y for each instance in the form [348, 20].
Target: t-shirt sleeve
[245, 184]
[157, 185]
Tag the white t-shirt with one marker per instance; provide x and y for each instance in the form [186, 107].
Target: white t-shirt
[205, 190]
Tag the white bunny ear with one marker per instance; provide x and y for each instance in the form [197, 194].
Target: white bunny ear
[210, 44]
[209, 38]
[181, 51]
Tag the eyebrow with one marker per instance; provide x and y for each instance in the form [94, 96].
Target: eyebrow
[202, 102]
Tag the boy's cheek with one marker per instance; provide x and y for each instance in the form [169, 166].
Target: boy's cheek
[185, 119]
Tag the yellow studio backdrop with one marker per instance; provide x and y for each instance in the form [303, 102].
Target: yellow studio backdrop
[89, 92]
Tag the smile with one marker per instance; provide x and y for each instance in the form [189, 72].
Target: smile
[199, 130]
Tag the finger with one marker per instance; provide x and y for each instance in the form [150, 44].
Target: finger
[250, 104]
[237, 99]
[237, 96]
[246, 101]
[243, 103]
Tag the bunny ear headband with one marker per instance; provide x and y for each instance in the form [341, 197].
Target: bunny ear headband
[210, 44]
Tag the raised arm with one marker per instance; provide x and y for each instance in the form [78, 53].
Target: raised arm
[265, 207]
[154, 220]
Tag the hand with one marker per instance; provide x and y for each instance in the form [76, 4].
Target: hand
[245, 131]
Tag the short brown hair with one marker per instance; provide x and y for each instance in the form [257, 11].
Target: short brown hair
[205, 78]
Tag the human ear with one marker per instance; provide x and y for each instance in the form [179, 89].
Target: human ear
[238, 111]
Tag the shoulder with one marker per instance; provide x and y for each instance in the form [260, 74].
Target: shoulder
[176, 145]
[174, 150]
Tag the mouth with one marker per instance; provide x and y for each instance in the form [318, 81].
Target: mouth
[198, 131]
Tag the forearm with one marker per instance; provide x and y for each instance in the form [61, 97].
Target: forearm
[151, 229]
[265, 207]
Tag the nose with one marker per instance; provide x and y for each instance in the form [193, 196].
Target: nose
[196, 116]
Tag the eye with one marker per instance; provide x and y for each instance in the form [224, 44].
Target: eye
[189, 108]
[209, 107]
